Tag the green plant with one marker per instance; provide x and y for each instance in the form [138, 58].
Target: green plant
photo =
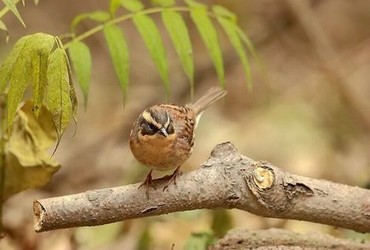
[42, 62]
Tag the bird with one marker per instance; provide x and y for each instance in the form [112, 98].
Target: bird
[162, 137]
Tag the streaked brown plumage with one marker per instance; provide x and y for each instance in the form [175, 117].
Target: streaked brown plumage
[162, 137]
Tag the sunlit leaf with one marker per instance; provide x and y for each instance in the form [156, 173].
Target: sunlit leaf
[228, 23]
[132, 5]
[30, 62]
[11, 4]
[72, 93]
[27, 163]
[179, 34]
[99, 16]
[163, 3]
[153, 42]
[80, 56]
[26, 64]
[19, 78]
[209, 37]
[7, 66]
[58, 97]
[118, 51]
[39, 63]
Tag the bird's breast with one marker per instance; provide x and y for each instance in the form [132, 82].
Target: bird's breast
[161, 153]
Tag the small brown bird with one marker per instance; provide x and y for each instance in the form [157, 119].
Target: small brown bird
[162, 138]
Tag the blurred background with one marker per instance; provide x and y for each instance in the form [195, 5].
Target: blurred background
[309, 113]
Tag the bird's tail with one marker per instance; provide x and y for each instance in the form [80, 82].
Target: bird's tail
[212, 95]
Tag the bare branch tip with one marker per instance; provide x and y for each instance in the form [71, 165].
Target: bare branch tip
[224, 149]
[38, 211]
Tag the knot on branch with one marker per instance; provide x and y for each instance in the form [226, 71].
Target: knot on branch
[274, 189]
[95, 197]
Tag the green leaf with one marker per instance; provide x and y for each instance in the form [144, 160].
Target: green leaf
[39, 63]
[99, 16]
[209, 37]
[114, 6]
[201, 240]
[11, 4]
[163, 3]
[118, 51]
[7, 66]
[25, 64]
[221, 222]
[192, 3]
[145, 240]
[179, 34]
[231, 29]
[30, 62]
[221, 11]
[132, 5]
[247, 42]
[80, 56]
[27, 163]
[20, 77]
[58, 96]
[3, 26]
[153, 42]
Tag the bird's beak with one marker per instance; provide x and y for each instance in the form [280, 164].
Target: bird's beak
[163, 132]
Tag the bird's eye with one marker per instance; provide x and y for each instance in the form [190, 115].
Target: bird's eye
[149, 129]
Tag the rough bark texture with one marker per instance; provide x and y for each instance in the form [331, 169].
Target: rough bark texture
[228, 180]
[282, 239]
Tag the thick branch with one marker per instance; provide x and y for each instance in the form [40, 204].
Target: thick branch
[228, 180]
[283, 240]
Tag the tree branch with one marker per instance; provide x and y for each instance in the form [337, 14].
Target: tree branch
[228, 180]
[283, 240]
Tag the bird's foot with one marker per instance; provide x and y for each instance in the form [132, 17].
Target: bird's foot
[148, 182]
[172, 178]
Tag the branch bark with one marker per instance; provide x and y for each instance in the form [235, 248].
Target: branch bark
[228, 180]
[280, 239]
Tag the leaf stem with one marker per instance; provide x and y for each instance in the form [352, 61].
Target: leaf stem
[122, 18]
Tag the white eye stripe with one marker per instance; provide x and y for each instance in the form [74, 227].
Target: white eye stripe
[167, 122]
[148, 117]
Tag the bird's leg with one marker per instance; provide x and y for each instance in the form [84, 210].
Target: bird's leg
[172, 178]
[148, 182]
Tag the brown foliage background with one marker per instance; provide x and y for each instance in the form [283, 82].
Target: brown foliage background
[307, 114]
